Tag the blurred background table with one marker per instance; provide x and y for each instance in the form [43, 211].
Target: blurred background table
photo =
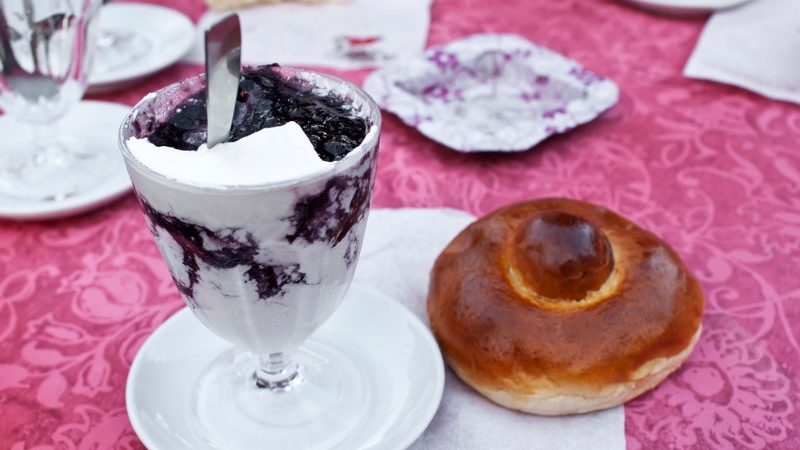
[713, 169]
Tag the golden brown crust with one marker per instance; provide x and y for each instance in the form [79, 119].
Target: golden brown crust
[509, 334]
[563, 400]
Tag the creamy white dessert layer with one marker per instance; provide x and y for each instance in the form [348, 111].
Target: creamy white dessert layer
[270, 155]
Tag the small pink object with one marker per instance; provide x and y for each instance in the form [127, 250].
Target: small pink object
[361, 41]
[491, 92]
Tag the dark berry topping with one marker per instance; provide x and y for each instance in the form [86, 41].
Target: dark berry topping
[267, 99]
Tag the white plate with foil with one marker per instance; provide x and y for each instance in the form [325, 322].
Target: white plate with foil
[393, 349]
[136, 40]
[687, 7]
[491, 92]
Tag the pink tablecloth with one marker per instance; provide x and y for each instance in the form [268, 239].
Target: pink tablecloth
[713, 169]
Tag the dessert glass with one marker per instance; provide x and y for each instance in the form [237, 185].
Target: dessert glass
[263, 267]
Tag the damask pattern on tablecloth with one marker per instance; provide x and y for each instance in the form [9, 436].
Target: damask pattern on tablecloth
[713, 169]
[713, 399]
[79, 298]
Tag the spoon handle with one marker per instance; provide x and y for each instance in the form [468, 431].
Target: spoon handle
[223, 67]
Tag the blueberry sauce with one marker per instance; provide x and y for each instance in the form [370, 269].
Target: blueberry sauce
[351, 255]
[222, 249]
[330, 214]
[267, 99]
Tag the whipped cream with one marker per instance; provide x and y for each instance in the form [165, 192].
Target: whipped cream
[270, 155]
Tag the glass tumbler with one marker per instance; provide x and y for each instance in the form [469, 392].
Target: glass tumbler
[263, 267]
[46, 51]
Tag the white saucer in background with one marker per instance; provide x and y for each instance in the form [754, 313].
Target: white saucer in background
[385, 340]
[155, 38]
[96, 123]
[687, 7]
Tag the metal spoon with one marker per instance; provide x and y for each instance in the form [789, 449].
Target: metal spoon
[223, 67]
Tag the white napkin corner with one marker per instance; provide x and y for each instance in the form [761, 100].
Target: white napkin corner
[755, 46]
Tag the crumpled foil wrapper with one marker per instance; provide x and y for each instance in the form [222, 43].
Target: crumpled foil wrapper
[491, 92]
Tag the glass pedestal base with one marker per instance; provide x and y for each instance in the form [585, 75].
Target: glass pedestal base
[321, 402]
[40, 169]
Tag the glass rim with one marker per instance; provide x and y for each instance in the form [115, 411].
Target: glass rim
[370, 142]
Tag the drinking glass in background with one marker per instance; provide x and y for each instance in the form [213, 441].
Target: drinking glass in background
[46, 49]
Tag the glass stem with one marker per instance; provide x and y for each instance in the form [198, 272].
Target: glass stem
[277, 372]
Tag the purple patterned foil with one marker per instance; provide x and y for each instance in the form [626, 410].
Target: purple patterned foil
[491, 92]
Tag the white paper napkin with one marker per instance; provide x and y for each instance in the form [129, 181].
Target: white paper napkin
[349, 35]
[399, 249]
[755, 46]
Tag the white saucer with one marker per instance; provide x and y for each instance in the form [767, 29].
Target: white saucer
[687, 7]
[387, 341]
[95, 122]
[164, 35]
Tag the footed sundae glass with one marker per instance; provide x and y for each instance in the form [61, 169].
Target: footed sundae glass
[263, 267]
